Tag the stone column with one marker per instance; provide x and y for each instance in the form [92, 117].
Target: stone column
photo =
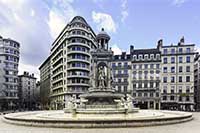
[109, 75]
[148, 104]
[154, 104]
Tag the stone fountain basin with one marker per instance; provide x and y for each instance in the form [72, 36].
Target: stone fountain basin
[81, 120]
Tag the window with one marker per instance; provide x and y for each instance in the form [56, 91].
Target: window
[134, 66]
[180, 59]
[145, 74]
[125, 64]
[146, 66]
[134, 75]
[180, 50]
[172, 59]
[151, 84]
[171, 98]
[172, 69]
[145, 85]
[125, 88]
[157, 66]
[165, 69]
[140, 85]
[157, 84]
[180, 89]
[165, 60]
[180, 69]
[145, 94]
[188, 59]
[151, 66]
[119, 64]
[125, 71]
[165, 91]
[113, 64]
[172, 79]
[187, 68]
[165, 79]
[187, 78]
[172, 91]
[173, 51]
[151, 94]
[140, 74]
[125, 80]
[180, 98]
[140, 66]
[165, 51]
[187, 89]
[119, 80]
[134, 85]
[164, 98]
[180, 79]
[187, 98]
[119, 72]
[187, 50]
[119, 88]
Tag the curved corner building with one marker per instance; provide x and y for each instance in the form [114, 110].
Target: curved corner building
[9, 59]
[70, 62]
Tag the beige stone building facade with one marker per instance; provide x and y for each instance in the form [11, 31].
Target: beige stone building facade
[157, 78]
[177, 77]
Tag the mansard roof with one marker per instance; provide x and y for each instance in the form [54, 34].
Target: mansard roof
[146, 51]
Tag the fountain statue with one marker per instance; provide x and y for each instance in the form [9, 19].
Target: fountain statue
[101, 97]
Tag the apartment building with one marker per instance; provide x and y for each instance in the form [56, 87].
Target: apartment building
[9, 60]
[45, 76]
[197, 82]
[177, 72]
[70, 62]
[28, 93]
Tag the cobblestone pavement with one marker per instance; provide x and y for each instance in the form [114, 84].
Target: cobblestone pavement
[187, 127]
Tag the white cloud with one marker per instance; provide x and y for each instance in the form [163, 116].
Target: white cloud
[56, 23]
[60, 15]
[124, 11]
[32, 13]
[116, 49]
[105, 21]
[178, 2]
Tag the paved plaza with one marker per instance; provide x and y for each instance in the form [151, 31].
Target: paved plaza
[187, 127]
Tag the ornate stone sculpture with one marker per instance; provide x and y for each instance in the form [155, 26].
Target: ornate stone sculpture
[101, 77]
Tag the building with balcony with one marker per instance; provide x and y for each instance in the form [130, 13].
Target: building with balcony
[45, 76]
[9, 60]
[121, 69]
[197, 82]
[70, 62]
[28, 92]
[146, 77]
[137, 74]
[177, 76]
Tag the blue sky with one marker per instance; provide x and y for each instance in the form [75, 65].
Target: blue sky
[36, 23]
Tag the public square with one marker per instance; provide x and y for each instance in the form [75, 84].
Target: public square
[187, 127]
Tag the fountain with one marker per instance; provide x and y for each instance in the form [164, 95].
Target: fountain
[101, 106]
